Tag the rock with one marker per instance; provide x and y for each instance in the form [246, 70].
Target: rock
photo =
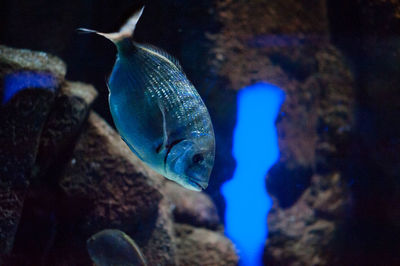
[104, 175]
[30, 81]
[306, 233]
[11, 202]
[112, 187]
[190, 207]
[278, 39]
[25, 107]
[13, 60]
[324, 100]
[224, 46]
[157, 240]
[104, 186]
[332, 90]
[288, 44]
[198, 246]
[71, 108]
[39, 225]
[373, 161]
[304, 229]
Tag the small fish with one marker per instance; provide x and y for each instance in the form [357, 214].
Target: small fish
[113, 247]
[158, 112]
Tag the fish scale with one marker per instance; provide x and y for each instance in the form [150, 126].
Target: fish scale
[184, 102]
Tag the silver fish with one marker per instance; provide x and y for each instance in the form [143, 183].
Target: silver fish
[158, 112]
[113, 247]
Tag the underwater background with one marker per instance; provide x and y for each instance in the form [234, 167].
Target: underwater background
[304, 99]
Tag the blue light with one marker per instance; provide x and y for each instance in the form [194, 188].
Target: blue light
[255, 149]
[15, 82]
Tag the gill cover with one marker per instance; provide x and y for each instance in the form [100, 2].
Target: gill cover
[190, 162]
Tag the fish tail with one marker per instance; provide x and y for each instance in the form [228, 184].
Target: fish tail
[84, 30]
[129, 27]
[126, 31]
[110, 36]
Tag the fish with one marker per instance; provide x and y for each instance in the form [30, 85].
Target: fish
[112, 247]
[157, 110]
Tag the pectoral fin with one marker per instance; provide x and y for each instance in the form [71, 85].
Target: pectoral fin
[132, 149]
[164, 143]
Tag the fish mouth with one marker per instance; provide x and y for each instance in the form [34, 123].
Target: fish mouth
[199, 185]
[197, 180]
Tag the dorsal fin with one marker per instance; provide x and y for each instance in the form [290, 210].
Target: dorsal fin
[161, 53]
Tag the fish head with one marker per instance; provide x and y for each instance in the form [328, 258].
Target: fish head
[189, 163]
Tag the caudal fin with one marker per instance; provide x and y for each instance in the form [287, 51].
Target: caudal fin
[84, 30]
[130, 24]
[126, 31]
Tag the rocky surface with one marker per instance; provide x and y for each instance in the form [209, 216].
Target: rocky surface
[112, 188]
[37, 231]
[159, 243]
[79, 178]
[306, 232]
[288, 45]
[336, 182]
[13, 60]
[210, 248]
[69, 112]
[22, 119]
[116, 186]
[372, 45]
[24, 113]
[196, 209]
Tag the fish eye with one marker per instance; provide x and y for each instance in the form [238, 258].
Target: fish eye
[197, 158]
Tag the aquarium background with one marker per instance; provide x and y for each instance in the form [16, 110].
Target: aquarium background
[334, 189]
